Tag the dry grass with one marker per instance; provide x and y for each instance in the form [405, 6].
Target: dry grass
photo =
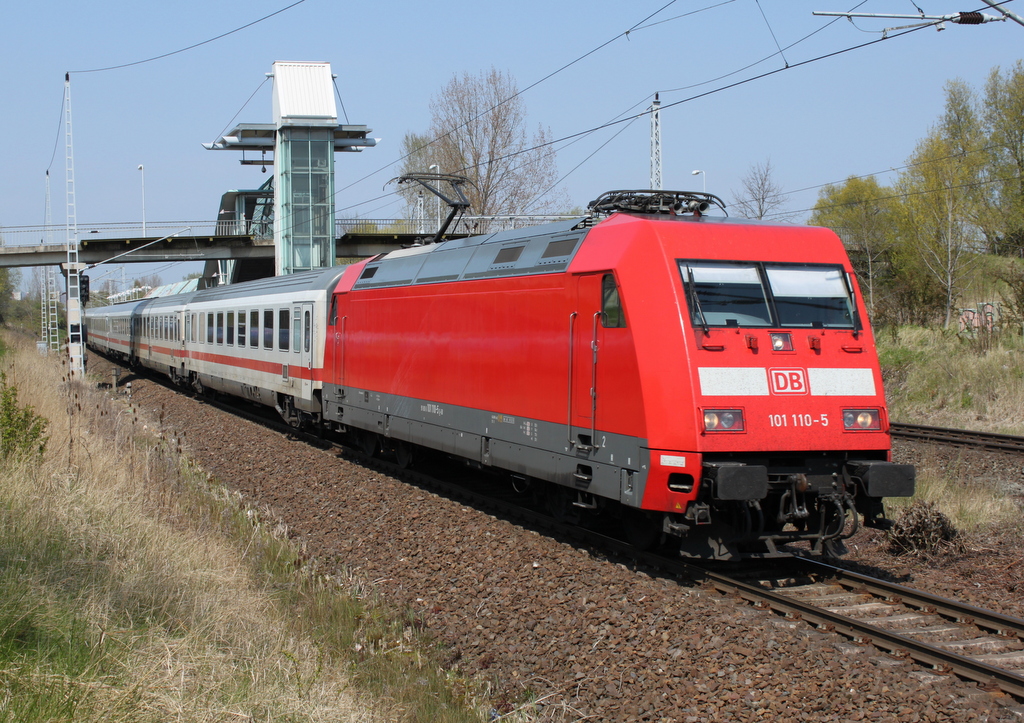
[134, 588]
[944, 379]
[948, 380]
[974, 507]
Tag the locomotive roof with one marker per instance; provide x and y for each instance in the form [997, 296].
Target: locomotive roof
[535, 250]
[315, 280]
[545, 249]
[318, 279]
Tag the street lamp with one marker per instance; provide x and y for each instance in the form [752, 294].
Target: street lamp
[703, 177]
[143, 172]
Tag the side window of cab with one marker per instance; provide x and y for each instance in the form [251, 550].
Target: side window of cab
[611, 305]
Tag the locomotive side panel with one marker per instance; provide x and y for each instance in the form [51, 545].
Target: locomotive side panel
[483, 369]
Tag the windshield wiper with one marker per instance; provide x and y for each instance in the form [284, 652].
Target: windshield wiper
[696, 302]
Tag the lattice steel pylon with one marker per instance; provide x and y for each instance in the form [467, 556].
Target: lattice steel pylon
[49, 295]
[53, 304]
[656, 144]
[72, 269]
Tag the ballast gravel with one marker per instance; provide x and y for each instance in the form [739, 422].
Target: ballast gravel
[563, 630]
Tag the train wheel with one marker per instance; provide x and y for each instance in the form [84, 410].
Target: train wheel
[403, 454]
[641, 529]
[367, 443]
[558, 503]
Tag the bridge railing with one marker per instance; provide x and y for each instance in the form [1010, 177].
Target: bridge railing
[57, 233]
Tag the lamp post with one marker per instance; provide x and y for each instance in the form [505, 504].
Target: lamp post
[703, 177]
[434, 168]
[143, 172]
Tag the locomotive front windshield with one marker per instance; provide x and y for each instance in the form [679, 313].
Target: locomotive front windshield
[753, 294]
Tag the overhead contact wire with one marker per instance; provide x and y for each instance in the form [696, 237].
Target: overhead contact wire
[191, 47]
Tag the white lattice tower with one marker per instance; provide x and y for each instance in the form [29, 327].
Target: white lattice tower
[73, 269]
[50, 296]
[656, 144]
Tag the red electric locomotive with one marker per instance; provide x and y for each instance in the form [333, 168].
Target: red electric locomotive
[701, 378]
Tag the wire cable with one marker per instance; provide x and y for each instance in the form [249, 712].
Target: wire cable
[243, 107]
[190, 47]
[637, 26]
[770, 30]
[56, 141]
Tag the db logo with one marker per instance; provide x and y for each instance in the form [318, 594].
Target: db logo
[788, 381]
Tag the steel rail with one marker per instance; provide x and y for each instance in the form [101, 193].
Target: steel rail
[958, 437]
[998, 623]
[987, 675]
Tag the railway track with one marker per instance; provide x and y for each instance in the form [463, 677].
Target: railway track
[958, 437]
[948, 636]
[951, 637]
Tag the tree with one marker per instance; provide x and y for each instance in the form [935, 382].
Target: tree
[1003, 125]
[761, 195]
[151, 280]
[9, 280]
[941, 193]
[478, 129]
[858, 210]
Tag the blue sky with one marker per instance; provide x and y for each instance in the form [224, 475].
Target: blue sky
[854, 113]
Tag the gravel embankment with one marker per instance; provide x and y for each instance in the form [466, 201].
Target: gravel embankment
[588, 638]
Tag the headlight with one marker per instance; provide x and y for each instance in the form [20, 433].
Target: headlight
[862, 420]
[781, 342]
[723, 420]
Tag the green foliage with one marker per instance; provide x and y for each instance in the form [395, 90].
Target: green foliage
[9, 279]
[916, 245]
[1012, 296]
[860, 211]
[1003, 118]
[22, 431]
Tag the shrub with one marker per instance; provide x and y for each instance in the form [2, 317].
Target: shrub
[921, 527]
[22, 431]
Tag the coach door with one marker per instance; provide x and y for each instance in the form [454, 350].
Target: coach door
[585, 351]
[306, 341]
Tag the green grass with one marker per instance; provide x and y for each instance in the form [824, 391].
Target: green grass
[134, 587]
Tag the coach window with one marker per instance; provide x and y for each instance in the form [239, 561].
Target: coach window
[296, 321]
[611, 306]
[268, 328]
[282, 329]
[230, 339]
[188, 327]
[220, 327]
[307, 330]
[241, 328]
[209, 327]
[254, 329]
